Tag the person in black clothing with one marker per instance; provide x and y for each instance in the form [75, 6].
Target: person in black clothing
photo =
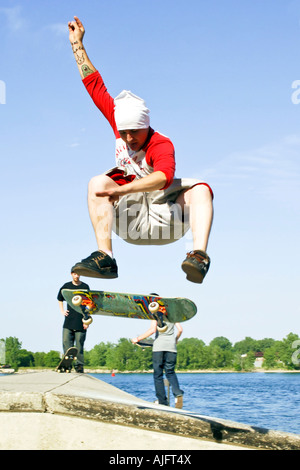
[74, 331]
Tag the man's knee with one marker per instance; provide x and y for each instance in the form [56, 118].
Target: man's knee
[203, 190]
[95, 184]
[199, 193]
[100, 183]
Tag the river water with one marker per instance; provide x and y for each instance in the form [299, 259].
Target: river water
[268, 400]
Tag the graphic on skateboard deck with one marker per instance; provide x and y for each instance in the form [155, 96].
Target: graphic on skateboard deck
[65, 364]
[146, 307]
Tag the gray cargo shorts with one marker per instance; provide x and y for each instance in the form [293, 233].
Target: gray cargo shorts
[153, 218]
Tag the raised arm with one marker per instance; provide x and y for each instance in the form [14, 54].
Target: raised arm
[76, 33]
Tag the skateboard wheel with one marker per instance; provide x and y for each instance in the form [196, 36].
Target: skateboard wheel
[88, 321]
[153, 307]
[77, 299]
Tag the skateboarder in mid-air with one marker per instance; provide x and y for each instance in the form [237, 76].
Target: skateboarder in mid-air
[139, 198]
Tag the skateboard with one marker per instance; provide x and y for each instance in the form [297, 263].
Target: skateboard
[65, 364]
[145, 343]
[146, 307]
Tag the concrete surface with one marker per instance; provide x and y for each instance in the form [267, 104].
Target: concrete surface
[40, 410]
[45, 431]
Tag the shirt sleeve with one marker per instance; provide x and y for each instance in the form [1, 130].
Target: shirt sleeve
[162, 158]
[59, 295]
[97, 90]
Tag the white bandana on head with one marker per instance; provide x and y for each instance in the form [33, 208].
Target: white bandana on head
[131, 112]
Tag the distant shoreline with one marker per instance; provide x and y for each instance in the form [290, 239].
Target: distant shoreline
[200, 371]
[115, 371]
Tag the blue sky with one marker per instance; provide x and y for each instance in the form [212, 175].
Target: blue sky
[217, 76]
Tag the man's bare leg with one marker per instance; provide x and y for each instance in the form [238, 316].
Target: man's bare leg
[198, 202]
[101, 211]
[100, 263]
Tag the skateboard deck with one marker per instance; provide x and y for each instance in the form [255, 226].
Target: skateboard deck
[65, 364]
[145, 343]
[146, 307]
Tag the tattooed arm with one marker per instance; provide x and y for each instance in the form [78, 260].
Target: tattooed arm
[76, 33]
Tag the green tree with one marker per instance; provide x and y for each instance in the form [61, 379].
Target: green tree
[286, 350]
[192, 354]
[263, 344]
[243, 362]
[220, 353]
[26, 358]
[246, 345]
[39, 359]
[12, 351]
[122, 356]
[219, 358]
[52, 359]
[271, 357]
[144, 358]
[97, 356]
[222, 343]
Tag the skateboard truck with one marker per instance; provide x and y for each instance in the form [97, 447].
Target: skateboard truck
[77, 301]
[154, 309]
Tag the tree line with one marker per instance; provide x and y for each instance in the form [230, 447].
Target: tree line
[193, 354]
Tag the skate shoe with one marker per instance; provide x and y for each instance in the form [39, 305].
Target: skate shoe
[196, 266]
[179, 401]
[98, 264]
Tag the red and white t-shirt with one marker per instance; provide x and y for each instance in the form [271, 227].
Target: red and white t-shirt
[157, 154]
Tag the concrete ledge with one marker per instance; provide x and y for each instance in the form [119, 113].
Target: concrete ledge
[46, 431]
[87, 397]
[192, 426]
[22, 401]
